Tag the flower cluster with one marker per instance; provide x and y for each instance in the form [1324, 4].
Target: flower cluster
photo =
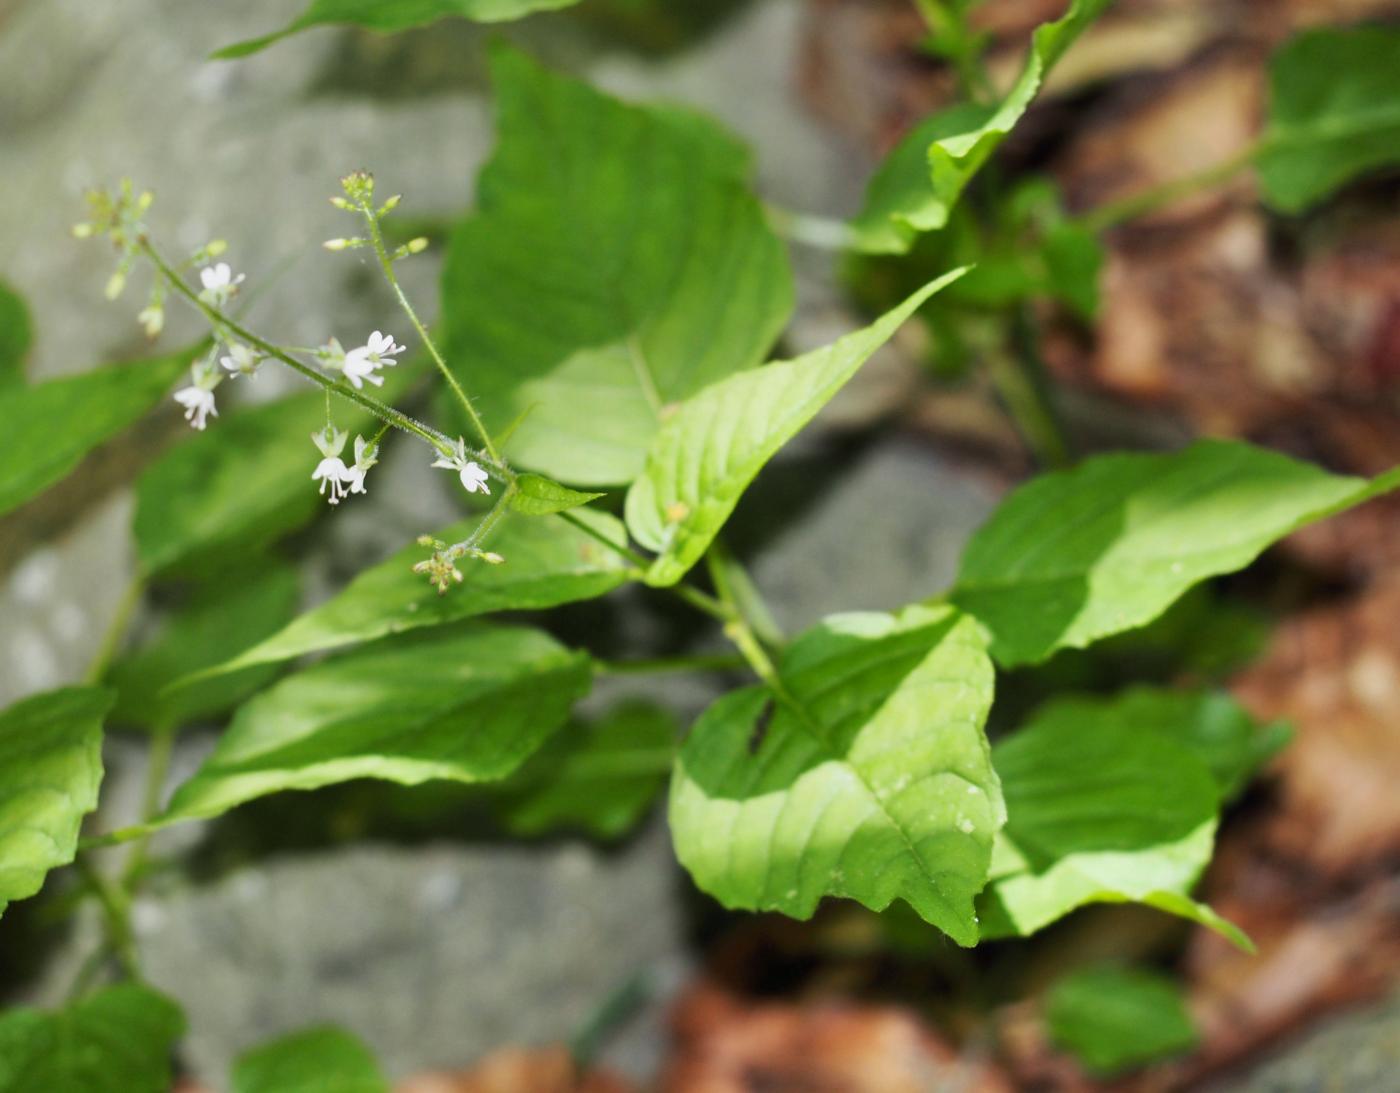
[333, 472]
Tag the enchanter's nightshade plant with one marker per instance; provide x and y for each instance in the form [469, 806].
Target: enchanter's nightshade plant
[604, 395]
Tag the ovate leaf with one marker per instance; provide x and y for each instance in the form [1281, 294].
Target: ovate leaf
[16, 334]
[870, 778]
[315, 1060]
[119, 1040]
[547, 563]
[50, 767]
[1115, 1018]
[391, 15]
[617, 263]
[49, 427]
[1334, 113]
[711, 448]
[1099, 813]
[1077, 555]
[222, 617]
[596, 776]
[537, 495]
[464, 704]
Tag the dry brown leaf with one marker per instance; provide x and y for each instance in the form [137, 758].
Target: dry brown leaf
[518, 1070]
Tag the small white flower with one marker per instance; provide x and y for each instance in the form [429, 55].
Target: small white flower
[152, 320]
[331, 471]
[470, 472]
[198, 403]
[361, 364]
[366, 456]
[240, 360]
[219, 283]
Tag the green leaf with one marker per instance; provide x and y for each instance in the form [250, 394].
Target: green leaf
[539, 496]
[1098, 813]
[464, 704]
[392, 15]
[314, 1060]
[1334, 113]
[618, 262]
[239, 485]
[954, 158]
[599, 776]
[119, 1040]
[1074, 556]
[548, 562]
[224, 616]
[1210, 724]
[50, 768]
[870, 779]
[49, 427]
[1116, 1018]
[16, 335]
[711, 448]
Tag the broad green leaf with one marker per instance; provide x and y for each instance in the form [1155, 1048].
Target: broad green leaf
[392, 15]
[1115, 1018]
[1210, 724]
[1098, 813]
[50, 768]
[314, 1060]
[119, 1040]
[1334, 113]
[711, 448]
[224, 616]
[596, 776]
[870, 779]
[539, 496]
[547, 563]
[16, 334]
[954, 158]
[1077, 555]
[464, 704]
[239, 485]
[617, 263]
[49, 427]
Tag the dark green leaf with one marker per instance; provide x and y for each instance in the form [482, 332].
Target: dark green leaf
[16, 334]
[870, 779]
[597, 776]
[1115, 1018]
[119, 1040]
[617, 263]
[50, 768]
[711, 448]
[49, 427]
[1077, 555]
[539, 496]
[315, 1060]
[223, 617]
[465, 704]
[548, 562]
[392, 15]
[1334, 114]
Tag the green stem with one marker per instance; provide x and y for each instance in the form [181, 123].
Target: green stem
[1145, 201]
[947, 21]
[822, 232]
[116, 630]
[1026, 401]
[382, 411]
[386, 263]
[116, 909]
[698, 662]
[735, 585]
[157, 769]
[472, 543]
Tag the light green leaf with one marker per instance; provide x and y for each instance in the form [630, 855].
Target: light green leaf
[16, 334]
[1210, 724]
[223, 617]
[391, 15]
[1334, 113]
[314, 1060]
[49, 427]
[954, 158]
[597, 776]
[618, 262]
[464, 704]
[50, 768]
[870, 780]
[1098, 813]
[1115, 1018]
[119, 1040]
[539, 496]
[548, 562]
[1077, 555]
[239, 485]
[711, 448]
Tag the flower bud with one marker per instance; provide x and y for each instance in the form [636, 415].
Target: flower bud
[390, 205]
[115, 284]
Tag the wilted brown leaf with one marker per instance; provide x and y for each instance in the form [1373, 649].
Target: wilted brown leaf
[518, 1070]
